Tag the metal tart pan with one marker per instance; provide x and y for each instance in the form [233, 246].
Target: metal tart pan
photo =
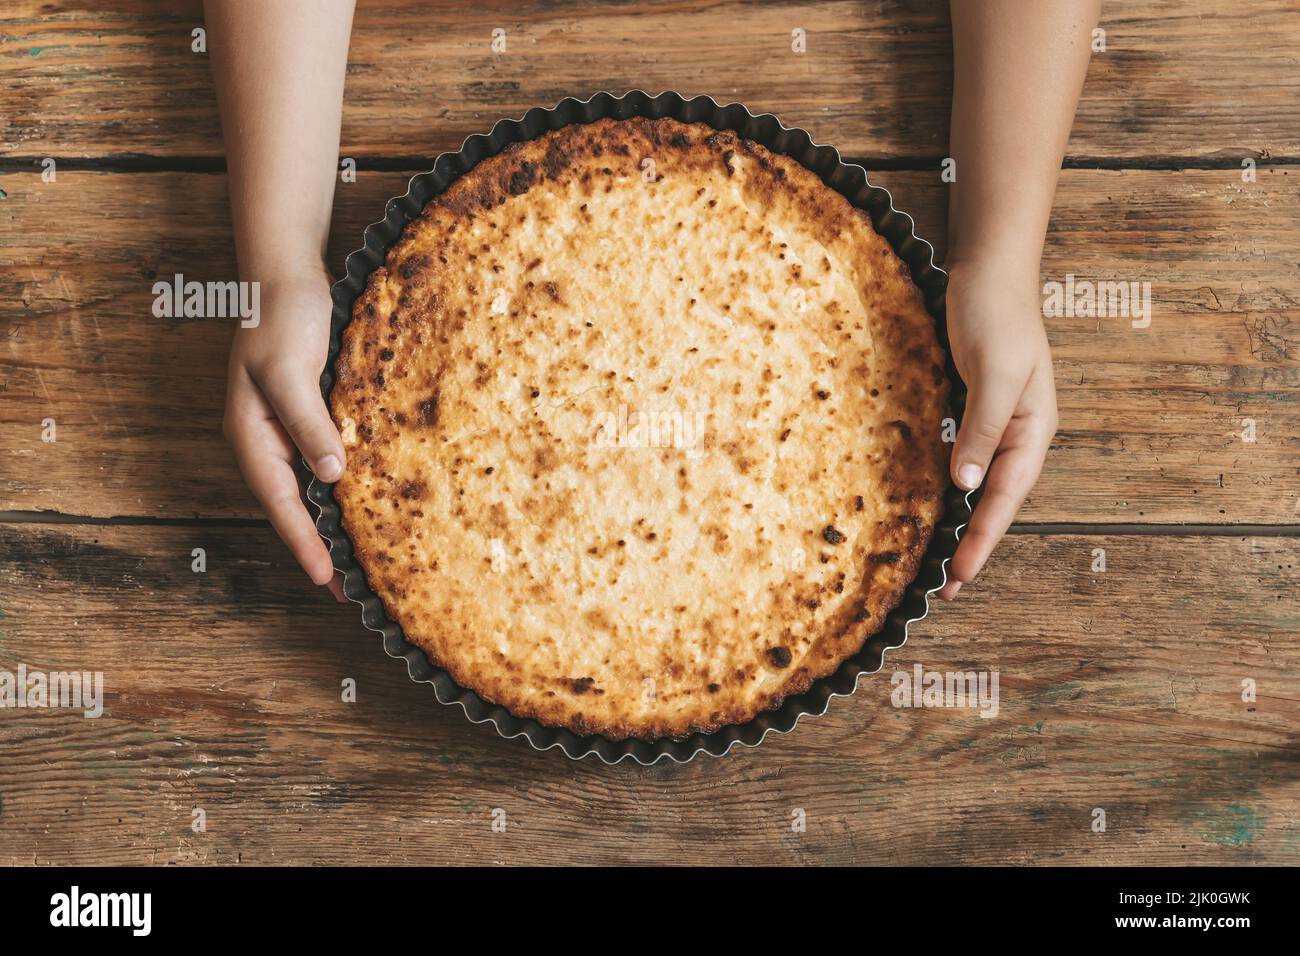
[848, 179]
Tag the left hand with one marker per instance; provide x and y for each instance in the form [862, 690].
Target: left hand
[999, 346]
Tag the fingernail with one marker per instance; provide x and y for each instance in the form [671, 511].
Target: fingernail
[954, 587]
[329, 468]
[969, 476]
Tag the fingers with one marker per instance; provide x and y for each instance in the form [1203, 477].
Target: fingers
[277, 489]
[1012, 475]
[990, 427]
[297, 402]
[1003, 494]
[950, 588]
[336, 588]
[992, 402]
[263, 457]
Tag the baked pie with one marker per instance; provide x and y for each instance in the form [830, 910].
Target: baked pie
[644, 429]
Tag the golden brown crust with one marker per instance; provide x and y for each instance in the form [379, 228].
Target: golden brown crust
[786, 476]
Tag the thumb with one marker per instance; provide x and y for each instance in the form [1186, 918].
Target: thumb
[301, 409]
[989, 407]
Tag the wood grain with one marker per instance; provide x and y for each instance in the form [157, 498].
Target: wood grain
[223, 692]
[1120, 690]
[1195, 79]
[1151, 419]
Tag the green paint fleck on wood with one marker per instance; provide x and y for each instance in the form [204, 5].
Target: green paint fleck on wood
[1233, 826]
[1039, 727]
[967, 742]
[1056, 693]
[35, 51]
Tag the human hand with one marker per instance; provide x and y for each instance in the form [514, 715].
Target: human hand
[995, 327]
[274, 409]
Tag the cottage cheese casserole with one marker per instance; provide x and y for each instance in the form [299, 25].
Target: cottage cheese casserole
[644, 429]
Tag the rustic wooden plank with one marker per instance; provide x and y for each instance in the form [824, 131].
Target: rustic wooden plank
[223, 692]
[1152, 418]
[83, 80]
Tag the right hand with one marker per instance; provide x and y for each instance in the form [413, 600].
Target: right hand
[274, 410]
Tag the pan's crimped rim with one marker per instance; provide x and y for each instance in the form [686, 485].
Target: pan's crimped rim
[849, 180]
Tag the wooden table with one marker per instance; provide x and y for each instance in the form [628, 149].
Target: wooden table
[1120, 690]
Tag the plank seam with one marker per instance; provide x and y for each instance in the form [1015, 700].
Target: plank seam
[1098, 529]
[62, 518]
[140, 163]
[1093, 529]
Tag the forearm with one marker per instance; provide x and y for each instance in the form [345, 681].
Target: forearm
[1018, 68]
[279, 71]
